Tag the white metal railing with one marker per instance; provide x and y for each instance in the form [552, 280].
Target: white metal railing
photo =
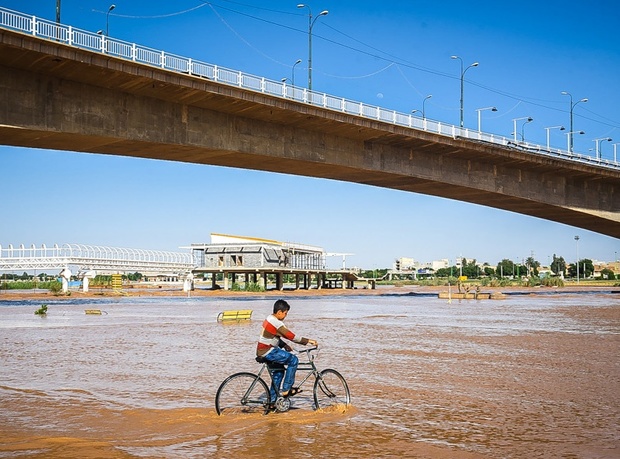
[100, 257]
[91, 41]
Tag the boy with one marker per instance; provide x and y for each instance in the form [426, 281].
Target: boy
[277, 353]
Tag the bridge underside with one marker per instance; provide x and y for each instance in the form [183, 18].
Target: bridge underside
[62, 98]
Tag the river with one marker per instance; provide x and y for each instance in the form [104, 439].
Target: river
[529, 376]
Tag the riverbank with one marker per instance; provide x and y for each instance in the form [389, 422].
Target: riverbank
[176, 291]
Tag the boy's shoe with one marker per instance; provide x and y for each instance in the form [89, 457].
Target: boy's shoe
[291, 392]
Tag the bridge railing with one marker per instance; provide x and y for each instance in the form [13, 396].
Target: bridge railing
[94, 256]
[98, 42]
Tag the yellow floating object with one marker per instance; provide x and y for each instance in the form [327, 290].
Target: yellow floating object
[242, 314]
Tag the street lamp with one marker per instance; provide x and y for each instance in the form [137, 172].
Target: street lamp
[615, 153]
[57, 11]
[107, 20]
[310, 26]
[529, 120]
[298, 61]
[423, 103]
[475, 64]
[561, 128]
[570, 138]
[493, 109]
[572, 106]
[577, 249]
[597, 142]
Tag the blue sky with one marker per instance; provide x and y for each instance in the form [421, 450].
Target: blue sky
[388, 53]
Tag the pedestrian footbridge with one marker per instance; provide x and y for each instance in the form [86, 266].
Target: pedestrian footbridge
[88, 258]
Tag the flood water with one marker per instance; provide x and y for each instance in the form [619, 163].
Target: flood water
[533, 376]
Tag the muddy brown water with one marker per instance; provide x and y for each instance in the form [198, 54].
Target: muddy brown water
[530, 376]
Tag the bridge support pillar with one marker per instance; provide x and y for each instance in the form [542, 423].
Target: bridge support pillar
[188, 283]
[65, 276]
[279, 281]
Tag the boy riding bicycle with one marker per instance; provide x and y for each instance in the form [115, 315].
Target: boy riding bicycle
[273, 350]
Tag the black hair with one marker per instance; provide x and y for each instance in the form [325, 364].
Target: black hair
[281, 305]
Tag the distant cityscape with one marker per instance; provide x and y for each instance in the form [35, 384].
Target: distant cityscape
[528, 266]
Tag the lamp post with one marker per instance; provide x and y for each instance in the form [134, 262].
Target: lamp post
[423, 104]
[561, 128]
[107, 20]
[570, 138]
[577, 249]
[529, 120]
[298, 61]
[475, 64]
[57, 11]
[615, 152]
[572, 106]
[310, 26]
[493, 109]
[597, 142]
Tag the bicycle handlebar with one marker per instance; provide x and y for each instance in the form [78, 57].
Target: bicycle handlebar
[308, 350]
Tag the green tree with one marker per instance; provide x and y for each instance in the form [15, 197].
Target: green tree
[532, 266]
[505, 268]
[134, 277]
[470, 269]
[586, 268]
[447, 272]
[558, 265]
[607, 273]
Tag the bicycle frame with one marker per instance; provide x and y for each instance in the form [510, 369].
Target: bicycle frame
[308, 366]
[329, 387]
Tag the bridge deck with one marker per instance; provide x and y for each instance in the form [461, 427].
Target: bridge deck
[170, 115]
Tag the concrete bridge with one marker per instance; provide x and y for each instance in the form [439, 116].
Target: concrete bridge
[79, 91]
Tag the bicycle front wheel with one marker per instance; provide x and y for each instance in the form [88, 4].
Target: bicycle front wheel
[331, 390]
[242, 393]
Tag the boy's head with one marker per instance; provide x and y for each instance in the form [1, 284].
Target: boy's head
[281, 307]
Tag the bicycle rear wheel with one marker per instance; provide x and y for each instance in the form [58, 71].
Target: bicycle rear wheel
[331, 390]
[242, 393]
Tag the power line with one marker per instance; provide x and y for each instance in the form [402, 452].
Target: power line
[376, 54]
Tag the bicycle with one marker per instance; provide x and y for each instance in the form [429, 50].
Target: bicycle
[246, 392]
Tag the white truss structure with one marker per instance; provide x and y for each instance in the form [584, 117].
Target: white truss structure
[83, 258]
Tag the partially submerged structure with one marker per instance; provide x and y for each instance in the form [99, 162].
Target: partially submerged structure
[233, 259]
